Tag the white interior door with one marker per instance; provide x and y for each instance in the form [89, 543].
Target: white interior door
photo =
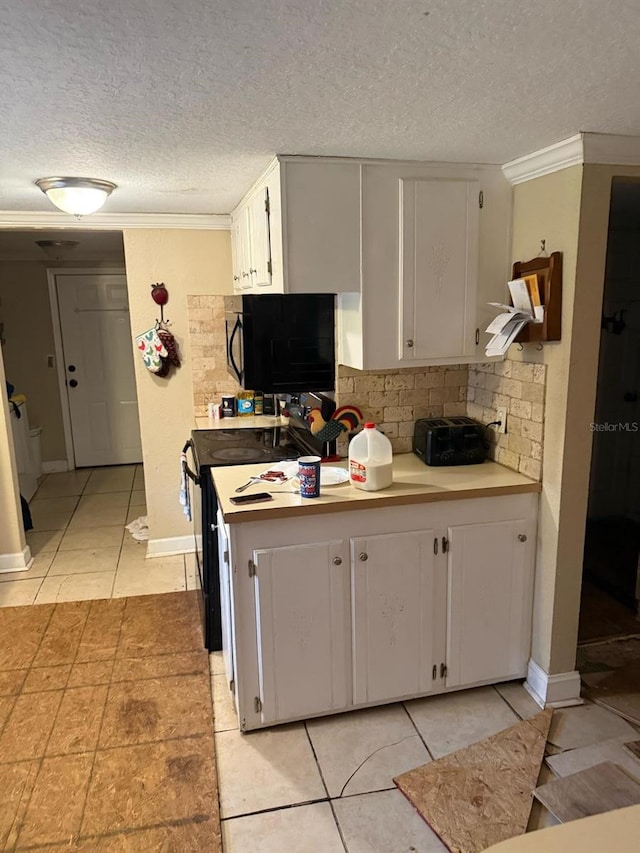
[98, 355]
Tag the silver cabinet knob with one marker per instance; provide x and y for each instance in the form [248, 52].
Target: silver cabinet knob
[337, 561]
[245, 275]
[410, 343]
[236, 278]
[364, 557]
[522, 537]
[252, 272]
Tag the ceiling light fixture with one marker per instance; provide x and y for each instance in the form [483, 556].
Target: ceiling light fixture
[57, 250]
[78, 196]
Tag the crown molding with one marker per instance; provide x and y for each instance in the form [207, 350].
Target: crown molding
[560, 155]
[114, 221]
[592, 148]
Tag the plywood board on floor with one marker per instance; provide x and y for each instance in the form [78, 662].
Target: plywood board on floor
[574, 760]
[620, 692]
[599, 789]
[482, 794]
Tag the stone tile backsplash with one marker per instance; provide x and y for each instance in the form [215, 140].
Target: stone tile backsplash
[208, 352]
[520, 387]
[395, 399]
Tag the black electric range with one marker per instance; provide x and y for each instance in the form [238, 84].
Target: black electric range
[237, 446]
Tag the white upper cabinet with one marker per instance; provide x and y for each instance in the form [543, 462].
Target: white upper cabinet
[303, 229]
[415, 251]
[435, 250]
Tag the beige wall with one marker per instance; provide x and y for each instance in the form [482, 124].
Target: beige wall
[11, 533]
[189, 263]
[28, 334]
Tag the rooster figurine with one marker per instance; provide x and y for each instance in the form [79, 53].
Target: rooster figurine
[344, 419]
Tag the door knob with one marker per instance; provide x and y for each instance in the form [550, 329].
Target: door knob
[337, 561]
[71, 368]
[73, 383]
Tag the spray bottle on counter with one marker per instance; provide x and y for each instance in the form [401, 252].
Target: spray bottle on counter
[370, 460]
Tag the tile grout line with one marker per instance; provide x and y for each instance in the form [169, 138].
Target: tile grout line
[508, 704]
[55, 719]
[124, 533]
[324, 785]
[418, 732]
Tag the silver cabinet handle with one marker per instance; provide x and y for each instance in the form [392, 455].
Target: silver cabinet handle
[364, 557]
[410, 343]
[522, 537]
[337, 561]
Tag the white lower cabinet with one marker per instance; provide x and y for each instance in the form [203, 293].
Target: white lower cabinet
[440, 601]
[398, 606]
[488, 602]
[302, 621]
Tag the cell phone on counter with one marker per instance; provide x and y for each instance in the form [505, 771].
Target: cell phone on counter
[257, 497]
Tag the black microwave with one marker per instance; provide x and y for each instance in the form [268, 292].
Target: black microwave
[281, 342]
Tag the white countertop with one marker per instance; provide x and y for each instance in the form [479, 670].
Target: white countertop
[413, 482]
[248, 422]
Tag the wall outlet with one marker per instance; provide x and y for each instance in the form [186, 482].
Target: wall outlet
[51, 361]
[502, 417]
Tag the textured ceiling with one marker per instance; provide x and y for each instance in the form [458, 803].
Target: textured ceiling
[183, 102]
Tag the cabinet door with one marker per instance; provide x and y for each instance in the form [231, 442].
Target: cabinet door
[241, 246]
[236, 251]
[260, 269]
[489, 609]
[438, 267]
[399, 590]
[302, 616]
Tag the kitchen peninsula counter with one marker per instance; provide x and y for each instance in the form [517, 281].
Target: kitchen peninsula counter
[413, 483]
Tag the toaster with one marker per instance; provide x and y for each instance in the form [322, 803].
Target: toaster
[449, 441]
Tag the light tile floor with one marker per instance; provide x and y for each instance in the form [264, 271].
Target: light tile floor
[80, 547]
[327, 784]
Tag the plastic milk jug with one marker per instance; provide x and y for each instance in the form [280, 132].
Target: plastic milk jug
[370, 460]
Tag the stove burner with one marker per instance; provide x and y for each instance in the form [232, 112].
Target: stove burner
[220, 435]
[239, 454]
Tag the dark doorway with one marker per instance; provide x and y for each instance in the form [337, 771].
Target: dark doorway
[611, 586]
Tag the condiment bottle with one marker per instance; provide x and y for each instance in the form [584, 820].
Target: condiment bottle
[258, 400]
[245, 404]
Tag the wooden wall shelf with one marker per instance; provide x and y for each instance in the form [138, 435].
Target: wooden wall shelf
[549, 272]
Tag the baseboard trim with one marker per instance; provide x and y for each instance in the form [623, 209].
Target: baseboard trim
[552, 691]
[167, 547]
[18, 562]
[55, 466]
